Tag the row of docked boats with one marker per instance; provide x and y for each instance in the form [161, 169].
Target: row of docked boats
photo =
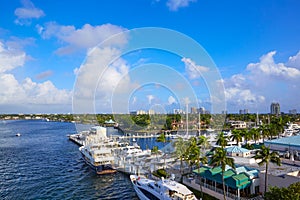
[100, 153]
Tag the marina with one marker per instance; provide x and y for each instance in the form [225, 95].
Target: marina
[117, 152]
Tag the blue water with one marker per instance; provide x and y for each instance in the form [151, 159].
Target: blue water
[44, 164]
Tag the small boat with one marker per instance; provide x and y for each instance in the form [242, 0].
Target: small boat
[169, 189]
[18, 134]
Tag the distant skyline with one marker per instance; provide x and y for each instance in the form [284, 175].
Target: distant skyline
[44, 45]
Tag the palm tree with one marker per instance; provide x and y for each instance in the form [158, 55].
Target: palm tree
[200, 156]
[247, 135]
[265, 131]
[220, 159]
[203, 142]
[180, 150]
[273, 130]
[221, 140]
[237, 136]
[162, 138]
[192, 151]
[279, 126]
[255, 134]
[266, 156]
[155, 151]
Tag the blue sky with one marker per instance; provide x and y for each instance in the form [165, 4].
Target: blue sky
[44, 46]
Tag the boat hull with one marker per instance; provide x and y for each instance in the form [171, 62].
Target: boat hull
[100, 169]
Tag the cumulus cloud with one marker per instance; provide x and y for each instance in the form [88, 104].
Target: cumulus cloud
[174, 5]
[171, 100]
[150, 98]
[28, 92]
[84, 38]
[99, 80]
[268, 67]
[28, 12]
[10, 58]
[294, 61]
[264, 81]
[22, 93]
[192, 69]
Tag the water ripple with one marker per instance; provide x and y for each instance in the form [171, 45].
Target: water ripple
[43, 164]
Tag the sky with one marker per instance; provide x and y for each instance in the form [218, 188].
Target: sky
[72, 56]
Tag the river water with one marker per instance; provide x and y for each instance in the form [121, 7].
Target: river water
[43, 164]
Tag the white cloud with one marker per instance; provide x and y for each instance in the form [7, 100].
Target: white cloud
[84, 38]
[174, 5]
[28, 12]
[99, 80]
[193, 71]
[29, 92]
[171, 100]
[10, 58]
[294, 61]
[263, 82]
[150, 98]
[25, 93]
[268, 67]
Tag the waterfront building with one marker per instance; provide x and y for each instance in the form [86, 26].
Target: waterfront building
[237, 151]
[178, 111]
[151, 112]
[238, 124]
[141, 112]
[284, 144]
[242, 181]
[275, 108]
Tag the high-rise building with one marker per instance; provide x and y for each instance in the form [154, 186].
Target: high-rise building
[275, 109]
[293, 111]
[201, 110]
[194, 110]
[244, 111]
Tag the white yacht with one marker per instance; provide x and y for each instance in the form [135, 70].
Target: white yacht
[133, 151]
[147, 189]
[99, 157]
[98, 151]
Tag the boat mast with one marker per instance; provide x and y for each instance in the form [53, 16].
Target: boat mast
[187, 120]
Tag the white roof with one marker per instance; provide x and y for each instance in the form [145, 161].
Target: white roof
[175, 186]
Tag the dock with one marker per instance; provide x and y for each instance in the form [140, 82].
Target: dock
[76, 139]
[135, 165]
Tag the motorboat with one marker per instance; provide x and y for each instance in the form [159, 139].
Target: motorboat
[134, 150]
[164, 189]
[18, 134]
[99, 158]
[98, 151]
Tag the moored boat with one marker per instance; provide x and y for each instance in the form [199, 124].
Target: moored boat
[99, 158]
[147, 189]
